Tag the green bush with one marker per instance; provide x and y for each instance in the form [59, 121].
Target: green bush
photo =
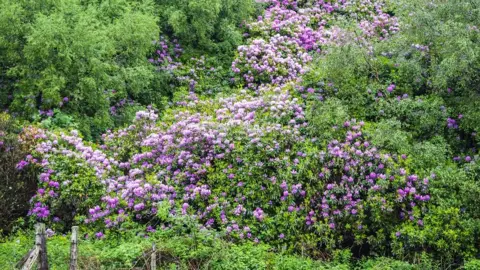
[386, 264]
[472, 265]
[342, 73]
[208, 25]
[388, 134]
[423, 117]
[325, 119]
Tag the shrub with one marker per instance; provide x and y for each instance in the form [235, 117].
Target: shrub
[389, 135]
[447, 233]
[17, 186]
[423, 117]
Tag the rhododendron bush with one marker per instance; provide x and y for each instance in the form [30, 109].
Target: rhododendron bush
[238, 164]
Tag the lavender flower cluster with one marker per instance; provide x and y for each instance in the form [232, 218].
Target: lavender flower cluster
[359, 179]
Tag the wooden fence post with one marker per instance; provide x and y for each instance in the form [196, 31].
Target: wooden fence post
[153, 262]
[73, 248]
[41, 245]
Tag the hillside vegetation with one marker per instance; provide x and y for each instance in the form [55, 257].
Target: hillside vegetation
[238, 134]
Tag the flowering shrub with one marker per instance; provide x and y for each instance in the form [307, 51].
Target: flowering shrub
[282, 39]
[365, 191]
[197, 74]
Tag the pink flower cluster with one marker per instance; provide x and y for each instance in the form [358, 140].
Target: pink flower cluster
[380, 25]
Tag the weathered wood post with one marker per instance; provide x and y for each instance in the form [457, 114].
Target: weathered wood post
[153, 262]
[27, 262]
[73, 248]
[41, 245]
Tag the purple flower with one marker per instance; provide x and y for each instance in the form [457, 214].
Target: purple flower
[21, 164]
[99, 235]
[50, 232]
[258, 214]
[391, 87]
[452, 123]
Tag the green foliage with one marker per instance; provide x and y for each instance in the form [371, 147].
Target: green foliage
[325, 118]
[472, 265]
[423, 117]
[446, 232]
[387, 264]
[454, 57]
[174, 253]
[450, 63]
[457, 188]
[388, 134]
[209, 25]
[342, 73]
[12, 31]
[92, 53]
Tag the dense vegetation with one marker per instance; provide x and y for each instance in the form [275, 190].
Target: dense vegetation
[287, 134]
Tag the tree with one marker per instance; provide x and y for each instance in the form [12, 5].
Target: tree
[211, 25]
[79, 58]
